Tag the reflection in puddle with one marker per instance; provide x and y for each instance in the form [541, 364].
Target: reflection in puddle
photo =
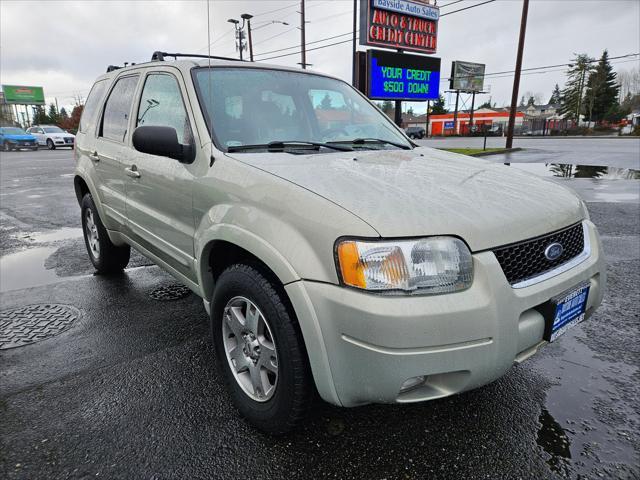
[63, 233]
[26, 269]
[586, 402]
[578, 171]
[554, 440]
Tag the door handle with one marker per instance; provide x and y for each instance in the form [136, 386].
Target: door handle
[132, 171]
[94, 157]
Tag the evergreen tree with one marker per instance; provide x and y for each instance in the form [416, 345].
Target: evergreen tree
[522, 104]
[486, 104]
[572, 95]
[39, 115]
[410, 111]
[63, 114]
[555, 95]
[438, 106]
[53, 114]
[601, 96]
[531, 101]
[387, 107]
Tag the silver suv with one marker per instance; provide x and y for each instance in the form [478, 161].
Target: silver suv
[332, 253]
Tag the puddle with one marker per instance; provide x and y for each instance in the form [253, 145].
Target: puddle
[583, 422]
[26, 269]
[554, 440]
[64, 233]
[563, 170]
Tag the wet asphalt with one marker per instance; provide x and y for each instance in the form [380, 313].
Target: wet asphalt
[130, 390]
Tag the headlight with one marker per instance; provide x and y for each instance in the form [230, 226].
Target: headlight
[429, 265]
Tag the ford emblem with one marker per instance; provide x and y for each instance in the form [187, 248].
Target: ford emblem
[553, 251]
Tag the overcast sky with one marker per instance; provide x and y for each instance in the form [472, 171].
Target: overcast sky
[63, 46]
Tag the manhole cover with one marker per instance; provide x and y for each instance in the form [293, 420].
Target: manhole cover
[167, 293]
[32, 323]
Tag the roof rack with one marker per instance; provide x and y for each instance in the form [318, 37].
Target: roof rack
[112, 68]
[159, 56]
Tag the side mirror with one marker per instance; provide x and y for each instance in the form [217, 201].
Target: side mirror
[162, 141]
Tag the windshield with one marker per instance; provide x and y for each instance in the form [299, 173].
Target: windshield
[250, 106]
[53, 130]
[13, 131]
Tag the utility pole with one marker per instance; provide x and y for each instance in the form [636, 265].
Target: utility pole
[516, 79]
[303, 48]
[398, 108]
[246, 17]
[584, 72]
[353, 46]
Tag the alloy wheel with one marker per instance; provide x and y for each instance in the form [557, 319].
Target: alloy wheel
[91, 232]
[250, 348]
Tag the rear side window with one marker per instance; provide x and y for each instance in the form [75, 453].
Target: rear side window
[115, 118]
[161, 105]
[92, 103]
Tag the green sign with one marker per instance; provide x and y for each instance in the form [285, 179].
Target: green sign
[23, 95]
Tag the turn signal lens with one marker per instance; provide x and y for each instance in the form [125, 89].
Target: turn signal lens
[429, 265]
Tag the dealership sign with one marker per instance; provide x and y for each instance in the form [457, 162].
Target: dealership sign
[403, 24]
[23, 95]
[398, 76]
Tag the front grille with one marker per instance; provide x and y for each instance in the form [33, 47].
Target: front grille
[525, 260]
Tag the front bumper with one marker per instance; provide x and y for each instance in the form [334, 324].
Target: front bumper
[19, 144]
[369, 345]
[63, 142]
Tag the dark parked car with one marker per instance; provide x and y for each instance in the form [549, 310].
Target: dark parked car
[14, 138]
[415, 132]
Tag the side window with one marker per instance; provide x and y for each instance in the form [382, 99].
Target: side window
[92, 104]
[161, 105]
[115, 118]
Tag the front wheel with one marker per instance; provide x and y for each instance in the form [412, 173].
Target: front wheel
[105, 256]
[50, 144]
[259, 349]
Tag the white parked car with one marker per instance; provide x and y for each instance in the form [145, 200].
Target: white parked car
[52, 136]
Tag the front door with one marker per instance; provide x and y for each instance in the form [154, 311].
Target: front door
[110, 148]
[159, 189]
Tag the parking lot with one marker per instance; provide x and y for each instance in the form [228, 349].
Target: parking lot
[128, 388]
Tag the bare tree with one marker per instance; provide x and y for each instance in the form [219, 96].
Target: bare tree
[629, 81]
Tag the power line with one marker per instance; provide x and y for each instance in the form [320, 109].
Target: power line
[466, 8]
[452, 3]
[350, 33]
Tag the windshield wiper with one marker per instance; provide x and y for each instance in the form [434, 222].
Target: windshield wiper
[363, 141]
[280, 146]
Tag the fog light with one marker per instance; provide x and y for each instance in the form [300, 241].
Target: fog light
[412, 383]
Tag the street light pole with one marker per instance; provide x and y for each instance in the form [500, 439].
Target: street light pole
[353, 46]
[303, 49]
[516, 79]
[247, 17]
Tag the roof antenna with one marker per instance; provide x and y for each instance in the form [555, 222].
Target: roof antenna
[212, 159]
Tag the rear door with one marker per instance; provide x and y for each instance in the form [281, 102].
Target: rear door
[159, 193]
[110, 147]
[39, 134]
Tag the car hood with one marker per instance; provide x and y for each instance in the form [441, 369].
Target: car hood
[19, 137]
[430, 192]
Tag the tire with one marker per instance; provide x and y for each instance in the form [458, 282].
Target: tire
[105, 256]
[50, 144]
[280, 403]
[6, 146]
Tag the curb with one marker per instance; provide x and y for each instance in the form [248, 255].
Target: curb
[500, 152]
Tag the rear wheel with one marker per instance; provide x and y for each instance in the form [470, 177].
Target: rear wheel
[259, 349]
[105, 256]
[50, 144]
[6, 146]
